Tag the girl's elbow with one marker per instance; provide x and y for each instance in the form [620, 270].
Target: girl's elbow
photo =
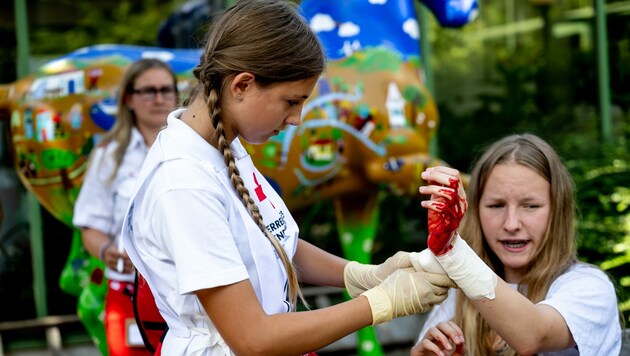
[253, 347]
[529, 345]
[525, 349]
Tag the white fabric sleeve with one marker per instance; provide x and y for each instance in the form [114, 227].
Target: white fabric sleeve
[586, 299]
[194, 227]
[94, 205]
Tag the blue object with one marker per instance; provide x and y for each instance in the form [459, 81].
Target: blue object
[453, 13]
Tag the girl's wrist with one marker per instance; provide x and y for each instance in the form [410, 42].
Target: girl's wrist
[103, 248]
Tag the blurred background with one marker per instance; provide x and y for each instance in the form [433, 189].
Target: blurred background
[556, 68]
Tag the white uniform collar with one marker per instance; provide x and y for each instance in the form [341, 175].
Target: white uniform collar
[193, 144]
[136, 140]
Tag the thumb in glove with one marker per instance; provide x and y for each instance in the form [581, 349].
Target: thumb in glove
[360, 277]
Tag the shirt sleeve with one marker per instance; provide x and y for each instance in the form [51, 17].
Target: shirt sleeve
[193, 226]
[586, 299]
[94, 205]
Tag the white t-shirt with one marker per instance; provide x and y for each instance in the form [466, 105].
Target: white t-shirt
[102, 203]
[186, 229]
[585, 298]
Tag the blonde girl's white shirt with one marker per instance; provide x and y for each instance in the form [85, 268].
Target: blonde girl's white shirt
[187, 230]
[586, 299]
[102, 202]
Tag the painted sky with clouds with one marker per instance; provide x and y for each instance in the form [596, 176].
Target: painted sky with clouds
[347, 26]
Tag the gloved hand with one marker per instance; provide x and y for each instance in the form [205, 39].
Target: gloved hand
[406, 292]
[360, 277]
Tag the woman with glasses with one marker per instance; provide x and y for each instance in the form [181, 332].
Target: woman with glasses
[148, 92]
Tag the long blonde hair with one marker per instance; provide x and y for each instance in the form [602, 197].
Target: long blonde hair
[270, 39]
[126, 118]
[556, 253]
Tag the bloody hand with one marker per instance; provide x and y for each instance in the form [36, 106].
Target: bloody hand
[446, 208]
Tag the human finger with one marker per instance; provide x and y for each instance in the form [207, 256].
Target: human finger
[436, 340]
[426, 347]
[441, 176]
[445, 170]
[452, 331]
[437, 190]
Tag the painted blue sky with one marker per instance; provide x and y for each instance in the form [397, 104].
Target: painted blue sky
[347, 26]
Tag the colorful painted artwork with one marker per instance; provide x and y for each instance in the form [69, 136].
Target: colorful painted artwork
[59, 112]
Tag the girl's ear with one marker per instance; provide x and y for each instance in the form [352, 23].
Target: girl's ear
[241, 83]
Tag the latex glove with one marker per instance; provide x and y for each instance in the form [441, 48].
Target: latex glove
[425, 261]
[406, 292]
[359, 277]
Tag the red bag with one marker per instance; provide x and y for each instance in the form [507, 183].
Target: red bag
[152, 326]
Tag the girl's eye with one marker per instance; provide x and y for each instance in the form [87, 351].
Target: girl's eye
[293, 102]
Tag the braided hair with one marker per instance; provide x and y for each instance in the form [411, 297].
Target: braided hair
[270, 39]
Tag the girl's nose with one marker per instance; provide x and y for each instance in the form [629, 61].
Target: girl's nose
[512, 220]
[295, 117]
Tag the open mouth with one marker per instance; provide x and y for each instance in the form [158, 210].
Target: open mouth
[515, 244]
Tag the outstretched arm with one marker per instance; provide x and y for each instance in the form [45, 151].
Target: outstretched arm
[242, 322]
[527, 327]
[239, 317]
[317, 266]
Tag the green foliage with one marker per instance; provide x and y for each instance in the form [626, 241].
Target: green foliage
[492, 87]
[121, 22]
[604, 222]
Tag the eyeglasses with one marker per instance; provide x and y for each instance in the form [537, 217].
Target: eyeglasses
[150, 93]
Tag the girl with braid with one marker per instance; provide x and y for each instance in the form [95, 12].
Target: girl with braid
[196, 227]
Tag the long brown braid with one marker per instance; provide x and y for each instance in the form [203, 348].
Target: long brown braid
[253, 36]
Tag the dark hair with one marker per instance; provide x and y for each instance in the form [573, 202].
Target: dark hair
[271, 40]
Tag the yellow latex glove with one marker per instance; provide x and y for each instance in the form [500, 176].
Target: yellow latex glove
[360, 277]
[407, 292]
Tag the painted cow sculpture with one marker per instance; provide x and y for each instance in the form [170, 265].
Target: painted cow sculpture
[365, 131]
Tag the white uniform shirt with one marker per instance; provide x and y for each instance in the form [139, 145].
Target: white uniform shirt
[102, 203]
[585, 298]
[186, 230]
